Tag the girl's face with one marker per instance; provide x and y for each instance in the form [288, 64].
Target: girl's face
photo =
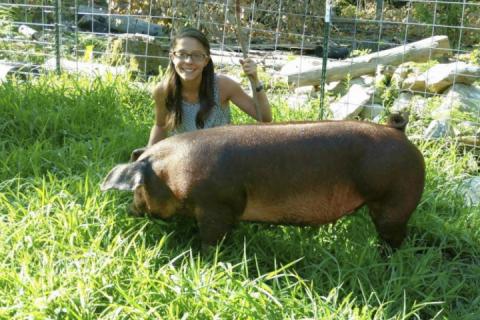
[189, 58]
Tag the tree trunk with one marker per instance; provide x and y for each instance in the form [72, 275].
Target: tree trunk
[303, 72]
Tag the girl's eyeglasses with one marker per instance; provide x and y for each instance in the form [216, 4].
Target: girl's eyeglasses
[195, 57]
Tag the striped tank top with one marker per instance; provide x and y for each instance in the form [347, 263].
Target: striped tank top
[218, 116]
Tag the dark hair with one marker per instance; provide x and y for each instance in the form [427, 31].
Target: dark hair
[173, 100]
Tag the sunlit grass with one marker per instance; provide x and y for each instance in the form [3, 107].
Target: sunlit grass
[68, 251]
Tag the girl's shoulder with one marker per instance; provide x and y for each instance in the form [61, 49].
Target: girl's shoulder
[221, 78]
[225, 83]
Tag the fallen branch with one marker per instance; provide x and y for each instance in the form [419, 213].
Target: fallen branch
[303, 72]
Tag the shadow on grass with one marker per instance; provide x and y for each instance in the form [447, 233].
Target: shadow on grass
[345, 256]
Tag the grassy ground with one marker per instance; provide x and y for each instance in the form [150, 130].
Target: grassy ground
[68, 251]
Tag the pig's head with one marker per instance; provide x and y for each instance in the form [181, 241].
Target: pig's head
[151, 194]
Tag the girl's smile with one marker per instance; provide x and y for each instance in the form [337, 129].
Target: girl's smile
[189, 58]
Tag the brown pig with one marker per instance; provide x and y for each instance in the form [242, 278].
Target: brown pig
[294, 173]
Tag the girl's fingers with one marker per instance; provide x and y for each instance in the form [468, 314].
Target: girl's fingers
[249, 66]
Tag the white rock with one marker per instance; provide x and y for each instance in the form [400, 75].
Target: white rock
[351, 104]
[441, 76]
[470, 189]
[402, 72]
[459, 97]
[402, 103]
[335, 87]
[372, 111]
[415, 83]
[418, 105]
[297, 101]
[309, 90]
[438, 129]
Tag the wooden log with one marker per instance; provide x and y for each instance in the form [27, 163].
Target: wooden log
[301, 73]
[86, 68]
[273, 60]
[119, 23]
[10, 68]
[29, 32]
[471, 141]
[7, 69]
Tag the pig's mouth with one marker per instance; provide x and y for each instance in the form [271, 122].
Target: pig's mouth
[141, 210]
[134, 210]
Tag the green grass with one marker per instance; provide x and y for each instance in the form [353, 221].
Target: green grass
[68, 251]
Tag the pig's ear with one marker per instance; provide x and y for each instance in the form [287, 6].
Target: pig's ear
[137, 153]
[126, 177]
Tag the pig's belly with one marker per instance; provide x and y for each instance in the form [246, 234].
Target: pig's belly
[312, 208]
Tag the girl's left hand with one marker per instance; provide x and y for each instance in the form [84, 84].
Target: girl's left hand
[250, 68]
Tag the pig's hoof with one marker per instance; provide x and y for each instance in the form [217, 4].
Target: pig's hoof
[208, 250]
[386, 251]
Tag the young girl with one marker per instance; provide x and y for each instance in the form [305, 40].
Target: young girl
[192, 96]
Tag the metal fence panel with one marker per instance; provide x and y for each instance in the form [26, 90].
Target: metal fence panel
[379, 39]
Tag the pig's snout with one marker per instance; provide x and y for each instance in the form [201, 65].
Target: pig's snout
[135, 211]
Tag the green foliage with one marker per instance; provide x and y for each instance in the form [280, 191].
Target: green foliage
[99, 44]
[7, 16]
[458, 115]
[348, 10]
[475, 57]
[68, 251]
[425, 66]
[447, 17]
[388, 93]
[360, 52]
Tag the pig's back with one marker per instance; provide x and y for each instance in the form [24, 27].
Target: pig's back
[305, 173]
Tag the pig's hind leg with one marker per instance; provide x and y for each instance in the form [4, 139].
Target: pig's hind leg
[390, 216]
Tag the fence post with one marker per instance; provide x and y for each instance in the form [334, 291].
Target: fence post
[326, 35]
[58, 39]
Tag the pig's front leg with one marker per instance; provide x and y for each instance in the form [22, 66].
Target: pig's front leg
[214, 222]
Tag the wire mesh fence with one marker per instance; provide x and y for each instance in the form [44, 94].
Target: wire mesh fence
[356, 58]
